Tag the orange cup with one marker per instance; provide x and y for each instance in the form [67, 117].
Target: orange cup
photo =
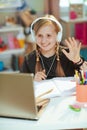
[81, 93]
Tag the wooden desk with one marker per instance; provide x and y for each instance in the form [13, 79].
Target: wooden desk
[67, 21]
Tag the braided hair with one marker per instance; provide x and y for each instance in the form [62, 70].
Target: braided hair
[59, 71]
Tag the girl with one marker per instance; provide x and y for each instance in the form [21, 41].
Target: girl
[50, 59]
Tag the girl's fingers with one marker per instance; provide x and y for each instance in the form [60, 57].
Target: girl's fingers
[68, 44]
[66, 53]
[72, 43]
[40, 75]
[79, 47]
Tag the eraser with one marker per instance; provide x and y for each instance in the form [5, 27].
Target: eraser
[75, 107]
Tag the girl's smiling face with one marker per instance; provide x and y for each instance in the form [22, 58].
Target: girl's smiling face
[46, 38]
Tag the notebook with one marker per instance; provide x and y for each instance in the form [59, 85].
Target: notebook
[17, 97]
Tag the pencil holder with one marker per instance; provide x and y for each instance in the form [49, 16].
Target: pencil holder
[81, 93]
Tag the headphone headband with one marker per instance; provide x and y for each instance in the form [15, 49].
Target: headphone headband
[48, 18]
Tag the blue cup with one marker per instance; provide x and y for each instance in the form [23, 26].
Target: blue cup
[1, 65]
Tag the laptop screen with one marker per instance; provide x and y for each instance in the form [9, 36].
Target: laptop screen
[17, 95]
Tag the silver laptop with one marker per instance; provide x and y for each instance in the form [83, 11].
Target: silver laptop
[17, 98]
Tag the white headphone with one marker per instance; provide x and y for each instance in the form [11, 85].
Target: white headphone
[59, 35]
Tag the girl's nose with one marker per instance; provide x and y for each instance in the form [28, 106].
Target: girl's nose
[44, 39]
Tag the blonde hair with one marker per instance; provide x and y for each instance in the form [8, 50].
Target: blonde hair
[46, 21]
[52, 20]
[59, 70]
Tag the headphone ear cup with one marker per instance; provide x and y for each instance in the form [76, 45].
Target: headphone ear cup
[59, 36]
[33, 36]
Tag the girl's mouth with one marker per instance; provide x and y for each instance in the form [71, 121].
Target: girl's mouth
[45, 45]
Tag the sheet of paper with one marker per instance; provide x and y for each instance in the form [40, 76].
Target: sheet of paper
[44, 87]
[63, 85]
[59, 87]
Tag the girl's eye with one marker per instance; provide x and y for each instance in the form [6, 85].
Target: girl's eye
[48, 35]
[39, 35]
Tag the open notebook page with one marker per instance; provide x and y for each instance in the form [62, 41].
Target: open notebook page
[54, 87]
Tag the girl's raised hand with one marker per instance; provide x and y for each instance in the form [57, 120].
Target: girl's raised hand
[74, 49]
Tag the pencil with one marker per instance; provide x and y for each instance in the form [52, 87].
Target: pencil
[39, 99]
[45, 93]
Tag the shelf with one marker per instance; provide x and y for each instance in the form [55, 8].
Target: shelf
[9, 71]
[67, 20]
[10, 28]
[10, 3]
[13, 51]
